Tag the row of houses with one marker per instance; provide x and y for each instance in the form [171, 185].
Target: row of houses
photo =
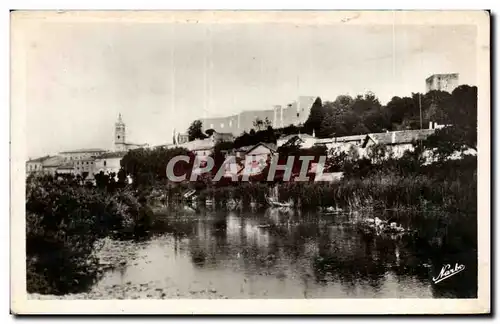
[395, 142]
[83, 162]
[88, 162]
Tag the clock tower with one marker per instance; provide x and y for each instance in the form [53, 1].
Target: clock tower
[120, 134]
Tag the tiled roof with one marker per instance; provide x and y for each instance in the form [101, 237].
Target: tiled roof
[400, 137]
[288, 137]
[342, 139]
[110, 155]
[270, 146]
[197, 145]
[91, 150]
[136, 144]
[40, 159]
[53, 161]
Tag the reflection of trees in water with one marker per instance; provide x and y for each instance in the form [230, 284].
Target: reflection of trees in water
[352, 258]
[322, 248]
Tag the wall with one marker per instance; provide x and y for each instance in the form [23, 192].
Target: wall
[71, 156]
[442, 82]
[33, 167]
[85, 165]
[107, 165]
[294, 113]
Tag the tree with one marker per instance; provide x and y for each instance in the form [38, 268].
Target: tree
[261, 124]
[258, 123]
[461, 112]
[338, 117]
[317, 114]
[195, 130]
[210, 132]
[146, 166]
[434, 104]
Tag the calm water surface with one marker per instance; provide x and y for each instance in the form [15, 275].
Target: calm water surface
[294, 255]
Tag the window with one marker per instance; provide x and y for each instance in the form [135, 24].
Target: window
[231, 123]
[222, 125]
[118, 136]
[104, 163]
[86, 162]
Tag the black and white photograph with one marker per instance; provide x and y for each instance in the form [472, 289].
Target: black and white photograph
[336, 159]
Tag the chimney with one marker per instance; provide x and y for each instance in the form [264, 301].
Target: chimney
[393, 137]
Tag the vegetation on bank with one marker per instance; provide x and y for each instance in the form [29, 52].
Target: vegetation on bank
[65, 219]
[445, 186]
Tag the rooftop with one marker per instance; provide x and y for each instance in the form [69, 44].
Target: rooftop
[144, 144]
[341, 139]
[400, 137]
[110, 155]
[443, 74]
[270, 146]
[40, 159]
[287, 137]
[198, 145]
[53, 161]
[90, 150]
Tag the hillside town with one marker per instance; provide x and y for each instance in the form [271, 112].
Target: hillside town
[86, 163]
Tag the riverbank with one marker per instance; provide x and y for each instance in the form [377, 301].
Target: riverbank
[115, 255]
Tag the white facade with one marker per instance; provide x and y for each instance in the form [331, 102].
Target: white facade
[108, 163]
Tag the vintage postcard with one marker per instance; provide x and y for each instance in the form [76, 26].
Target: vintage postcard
[250, 162]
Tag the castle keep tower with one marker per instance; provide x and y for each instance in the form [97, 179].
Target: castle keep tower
[120, 135]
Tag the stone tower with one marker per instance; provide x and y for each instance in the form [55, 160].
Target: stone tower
[120, 135]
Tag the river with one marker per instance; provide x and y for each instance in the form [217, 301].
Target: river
[283, 255]
[273, 254]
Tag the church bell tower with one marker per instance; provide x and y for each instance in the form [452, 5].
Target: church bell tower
[119, 134]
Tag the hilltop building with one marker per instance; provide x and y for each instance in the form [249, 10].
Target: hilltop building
[294, 113]
[442, 82]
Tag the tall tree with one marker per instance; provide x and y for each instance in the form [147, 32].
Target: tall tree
[195, 131]
[316, 116]
[261, 124]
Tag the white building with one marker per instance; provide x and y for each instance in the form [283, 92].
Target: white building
[109, 162]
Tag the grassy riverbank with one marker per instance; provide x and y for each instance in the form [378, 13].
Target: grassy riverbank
[449, 186]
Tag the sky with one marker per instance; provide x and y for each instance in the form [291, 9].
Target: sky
[161, 77]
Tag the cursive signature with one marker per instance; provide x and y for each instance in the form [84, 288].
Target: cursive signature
[447, 271]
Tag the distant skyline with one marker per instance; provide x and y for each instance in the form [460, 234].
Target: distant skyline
[80, 76]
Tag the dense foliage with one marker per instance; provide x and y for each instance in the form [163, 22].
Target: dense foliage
[364, 114]
[64, 221]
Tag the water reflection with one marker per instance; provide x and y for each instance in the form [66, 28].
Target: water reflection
[287, 254]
